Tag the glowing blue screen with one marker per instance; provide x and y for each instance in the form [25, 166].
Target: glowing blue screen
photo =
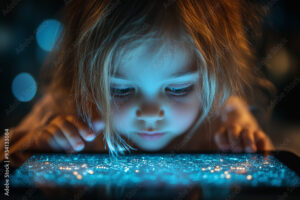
[252, 170]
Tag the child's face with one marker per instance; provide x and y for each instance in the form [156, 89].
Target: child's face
[160, 98]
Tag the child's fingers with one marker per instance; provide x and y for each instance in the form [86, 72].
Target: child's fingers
[248, 140]
[52, 137]
[260, 141]
[99, 126]
[49, 134]
[222, 140]
[263, 143]
[70, 132]
[234, 138]
[86, 133]
[59, 137]
[47, 138]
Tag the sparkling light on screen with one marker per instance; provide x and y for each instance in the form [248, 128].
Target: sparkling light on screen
[170, 170]
[24, 87]
[47, 34]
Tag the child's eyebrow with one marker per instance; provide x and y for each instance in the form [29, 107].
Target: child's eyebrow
[176, 76]
[184, 76]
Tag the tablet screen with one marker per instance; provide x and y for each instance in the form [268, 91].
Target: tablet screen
[151, 170]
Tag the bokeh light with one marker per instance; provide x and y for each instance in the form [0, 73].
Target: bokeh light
[24, 87]
[47, 34]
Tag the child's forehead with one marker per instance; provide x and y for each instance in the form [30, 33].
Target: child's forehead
[146, 61]
[155, 52]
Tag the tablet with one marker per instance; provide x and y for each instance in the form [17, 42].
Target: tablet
[158, 175]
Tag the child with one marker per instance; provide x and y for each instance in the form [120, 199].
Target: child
[148, 75]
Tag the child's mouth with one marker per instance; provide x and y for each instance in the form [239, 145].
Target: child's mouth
[151, 136]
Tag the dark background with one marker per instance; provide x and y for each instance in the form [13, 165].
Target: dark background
[278, 52]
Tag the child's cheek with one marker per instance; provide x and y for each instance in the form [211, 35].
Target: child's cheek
[122, 114]
[183, 113]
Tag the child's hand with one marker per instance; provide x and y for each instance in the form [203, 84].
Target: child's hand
[239, 130]
[67, 133]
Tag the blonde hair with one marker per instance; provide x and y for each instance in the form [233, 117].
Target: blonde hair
[97, 32]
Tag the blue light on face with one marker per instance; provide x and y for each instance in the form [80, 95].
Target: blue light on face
[47, 34]
[24, 87]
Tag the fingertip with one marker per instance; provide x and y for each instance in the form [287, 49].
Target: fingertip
[87, 134]
[98, 125]
[90, 136]
[79, 146]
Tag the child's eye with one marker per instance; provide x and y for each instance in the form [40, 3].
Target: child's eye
[122, 92]
[179, 91]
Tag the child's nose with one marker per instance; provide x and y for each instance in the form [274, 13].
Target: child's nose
[150, 115]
